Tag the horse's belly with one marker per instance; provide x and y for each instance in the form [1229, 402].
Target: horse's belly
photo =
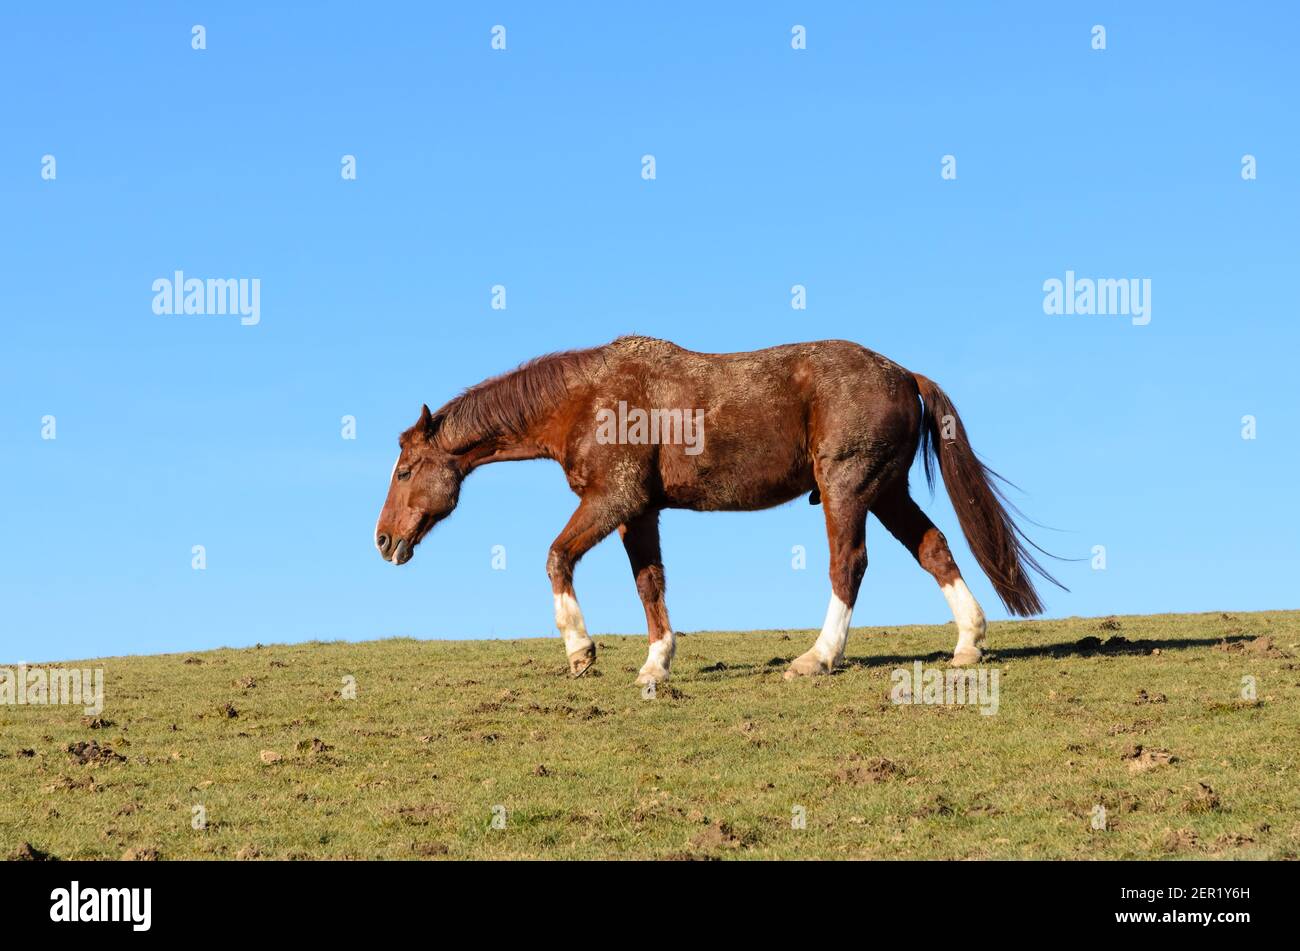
[740, 481]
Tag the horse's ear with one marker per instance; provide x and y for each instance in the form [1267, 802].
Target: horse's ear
[428, 423]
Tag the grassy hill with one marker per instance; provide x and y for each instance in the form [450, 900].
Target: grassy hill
[1143, 716]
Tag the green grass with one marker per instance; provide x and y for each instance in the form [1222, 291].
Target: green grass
[440, 733]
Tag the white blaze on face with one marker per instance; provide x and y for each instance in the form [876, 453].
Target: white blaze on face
[835, 632]
[381, 511]
[568, 618]
[966, 612]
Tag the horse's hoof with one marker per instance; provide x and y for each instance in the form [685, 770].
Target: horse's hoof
[581, 660]
[806, 665]
[966, 657]
[655, 675]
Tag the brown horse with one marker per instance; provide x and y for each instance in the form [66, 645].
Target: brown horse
[641, 425]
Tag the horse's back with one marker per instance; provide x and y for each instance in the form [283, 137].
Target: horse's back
[765, 413]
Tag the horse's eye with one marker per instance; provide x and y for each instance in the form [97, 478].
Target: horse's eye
[403, 475]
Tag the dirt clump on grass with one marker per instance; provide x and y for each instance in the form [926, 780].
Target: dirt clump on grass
[864, 772]
[1179, 840]
[26, 852]
[430, 849]
[1140, 759]
[1233, 840]
[1262, 646]
[67, 784]
[423, 814]
[935, 805]
[92, 754]
[717, 835]
[1204, 799]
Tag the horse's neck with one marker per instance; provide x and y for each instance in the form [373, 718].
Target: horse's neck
[525, 414]
[542, 439]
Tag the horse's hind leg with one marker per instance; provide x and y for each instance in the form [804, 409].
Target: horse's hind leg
[906, 522]
[641, 539]
[846, 498]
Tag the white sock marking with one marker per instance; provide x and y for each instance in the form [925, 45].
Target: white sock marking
[967, 613]
[568, 618]
[835, 632]
[660, 656]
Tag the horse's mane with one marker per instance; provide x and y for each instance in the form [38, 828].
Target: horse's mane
[509, 403]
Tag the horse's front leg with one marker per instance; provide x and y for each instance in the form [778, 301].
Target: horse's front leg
[641, 539]
[593, 520]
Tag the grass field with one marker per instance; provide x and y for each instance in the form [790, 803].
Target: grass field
[488, 750]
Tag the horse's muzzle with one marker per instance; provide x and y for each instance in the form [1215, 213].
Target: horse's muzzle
[397, 551]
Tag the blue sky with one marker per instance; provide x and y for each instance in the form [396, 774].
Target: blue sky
[522, 167]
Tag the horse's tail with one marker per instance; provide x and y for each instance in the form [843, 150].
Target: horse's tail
[997, 542]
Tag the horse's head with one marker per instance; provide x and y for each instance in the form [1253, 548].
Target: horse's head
[423, 490]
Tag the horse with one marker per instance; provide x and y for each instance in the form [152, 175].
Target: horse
[641, 425]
